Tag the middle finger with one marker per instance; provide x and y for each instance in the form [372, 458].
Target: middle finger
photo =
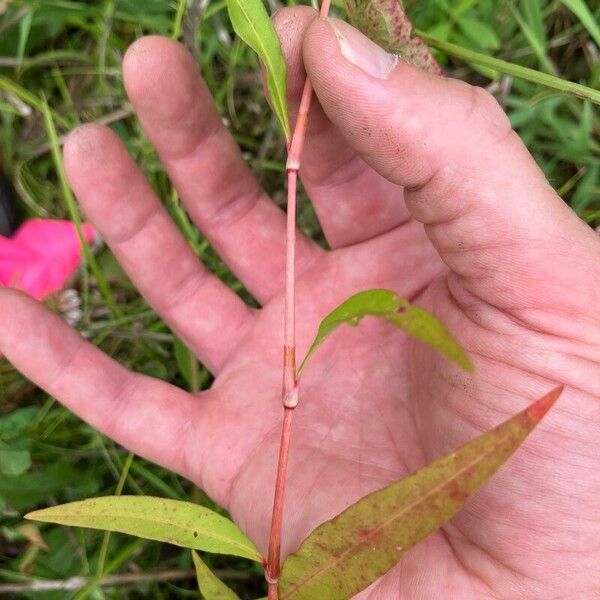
[205, 165]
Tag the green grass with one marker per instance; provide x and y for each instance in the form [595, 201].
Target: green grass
[68, 54]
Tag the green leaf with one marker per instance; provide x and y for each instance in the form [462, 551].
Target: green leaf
[210, 586]
[538, 42]
[480, 33]
[73, 210]
[590, 216]
[251, 22]
[24, 31]
[345, 555]
[502, 66]
[386, 23]
[31, 488]
[14, 423]
[580, 8]
[534, 17]
[14, 462]
[384, 304]
[172, 521]
[31, 99]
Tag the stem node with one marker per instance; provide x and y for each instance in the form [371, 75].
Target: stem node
[292, 164]
[290, 400]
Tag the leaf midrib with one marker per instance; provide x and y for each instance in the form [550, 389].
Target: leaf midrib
[385, 524]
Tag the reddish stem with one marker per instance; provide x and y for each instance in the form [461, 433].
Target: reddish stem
[277, 516]
[290, 383]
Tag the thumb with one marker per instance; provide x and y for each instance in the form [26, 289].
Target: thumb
[487, 207]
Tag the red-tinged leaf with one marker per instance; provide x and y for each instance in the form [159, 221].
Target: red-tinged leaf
[41, 256]
[386, 23]
[345, 555]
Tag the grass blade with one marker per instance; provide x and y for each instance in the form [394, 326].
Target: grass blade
[24, 31]
[74, 213]
[580, 8]
[178, 22]
[538, 44]
[544, 79]
[345, 555]
[31, 100]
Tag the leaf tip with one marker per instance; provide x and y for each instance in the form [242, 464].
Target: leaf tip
[539, 408]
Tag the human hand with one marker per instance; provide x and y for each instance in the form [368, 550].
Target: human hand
[501, 261]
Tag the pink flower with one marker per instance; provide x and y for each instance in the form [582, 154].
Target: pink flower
[41, 256]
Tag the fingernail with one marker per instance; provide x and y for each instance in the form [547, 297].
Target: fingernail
[359, 50]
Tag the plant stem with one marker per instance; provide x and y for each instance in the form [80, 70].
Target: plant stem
[277, 516]
[106, 539]
[77, 582]
[290, 383]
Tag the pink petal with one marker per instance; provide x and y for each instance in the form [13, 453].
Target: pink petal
[41, 256]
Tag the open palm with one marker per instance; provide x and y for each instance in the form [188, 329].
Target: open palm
[501, 261]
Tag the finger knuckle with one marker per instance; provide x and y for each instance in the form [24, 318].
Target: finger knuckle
[486, 114]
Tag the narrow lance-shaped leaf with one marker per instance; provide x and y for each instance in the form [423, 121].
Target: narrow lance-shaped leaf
[210, 586]
[252, 24]
[188, 365]
[477, 58]
[386, 23]
[580, 8]
[384, 304]
[345, 555]
[172, 521]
